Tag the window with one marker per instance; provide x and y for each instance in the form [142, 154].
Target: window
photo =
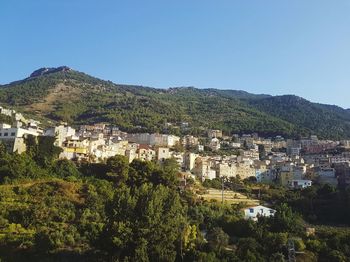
[0, 134]
[13, 134]
[251, 210]
[6, 134]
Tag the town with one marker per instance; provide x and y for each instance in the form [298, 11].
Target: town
[291, 163]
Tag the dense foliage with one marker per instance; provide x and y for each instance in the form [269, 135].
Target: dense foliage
[79, 99]
[58, 210]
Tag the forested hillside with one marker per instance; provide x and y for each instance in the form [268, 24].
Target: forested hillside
[78, 98]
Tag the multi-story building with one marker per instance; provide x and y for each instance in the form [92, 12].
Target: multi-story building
[146, 153]
[61, 132]
[214, 133]
[14, 137]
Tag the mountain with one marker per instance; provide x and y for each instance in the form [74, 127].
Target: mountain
[63, 94]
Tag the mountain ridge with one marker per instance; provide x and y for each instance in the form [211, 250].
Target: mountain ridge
[64, 94]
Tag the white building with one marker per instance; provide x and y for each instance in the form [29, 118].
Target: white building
[163, 153]
[214, 144]
[300, 183]
[226, 170]
[61, 133]
[214, 133]
[13, 137]
[189, 160]
[256, 211]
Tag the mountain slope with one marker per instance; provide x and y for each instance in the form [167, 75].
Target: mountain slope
[325, 120]
[74, 97]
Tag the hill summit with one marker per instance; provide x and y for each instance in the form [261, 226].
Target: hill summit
[49, 70]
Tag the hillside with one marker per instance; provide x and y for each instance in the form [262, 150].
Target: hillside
[68, 95]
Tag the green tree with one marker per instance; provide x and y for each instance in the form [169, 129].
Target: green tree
[217, 239]
[117, 169]
[145, 221]
[65, 168]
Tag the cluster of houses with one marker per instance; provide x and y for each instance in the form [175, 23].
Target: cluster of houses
[290, 163]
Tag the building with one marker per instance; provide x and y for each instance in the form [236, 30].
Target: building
[214, 144]
[61, 133]
[326, 175]
[200, 148]
[293, 148]
[163, 153]
[189, 141]
[245, 170]
[258, 211]
[189, 160]
[300, 184]
[14, 137]
[214, 133]
[204, 168]
[179, 158]
[146, 153]
[226, 170]
[161, 140]
[76, 148]
[131, 153]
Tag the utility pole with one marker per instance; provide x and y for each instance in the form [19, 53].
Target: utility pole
[222, 190]
[291, 251]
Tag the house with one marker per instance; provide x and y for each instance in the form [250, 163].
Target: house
[189, 160]
[75, 148]
[203, 168]
[189, 141]
[255, 212]
[200, 148]
[61, 132]
[293, 147]
[214, 133]
[179, 158]
[300, 184]
[163, 153]
[326, 175]
[14, 137]
[146, 153]
[214, 144]
[226, 170]
[245, 170]
[131, 153]
[235, 145]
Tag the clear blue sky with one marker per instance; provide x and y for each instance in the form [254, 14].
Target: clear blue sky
[262, 46]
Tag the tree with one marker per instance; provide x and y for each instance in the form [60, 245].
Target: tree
[217, 239]
[117, 169]
[277, 257]
[42, 149]
[65, 168]
[167, 174]
[144, 221]
[248, 249]
[140, 172]
[285, 220]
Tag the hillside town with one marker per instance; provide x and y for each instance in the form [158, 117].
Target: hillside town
[276, 160]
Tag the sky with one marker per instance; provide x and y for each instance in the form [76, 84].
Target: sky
[276, 47]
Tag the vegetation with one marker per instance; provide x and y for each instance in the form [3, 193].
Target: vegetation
[58, 210]
[78, 98]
